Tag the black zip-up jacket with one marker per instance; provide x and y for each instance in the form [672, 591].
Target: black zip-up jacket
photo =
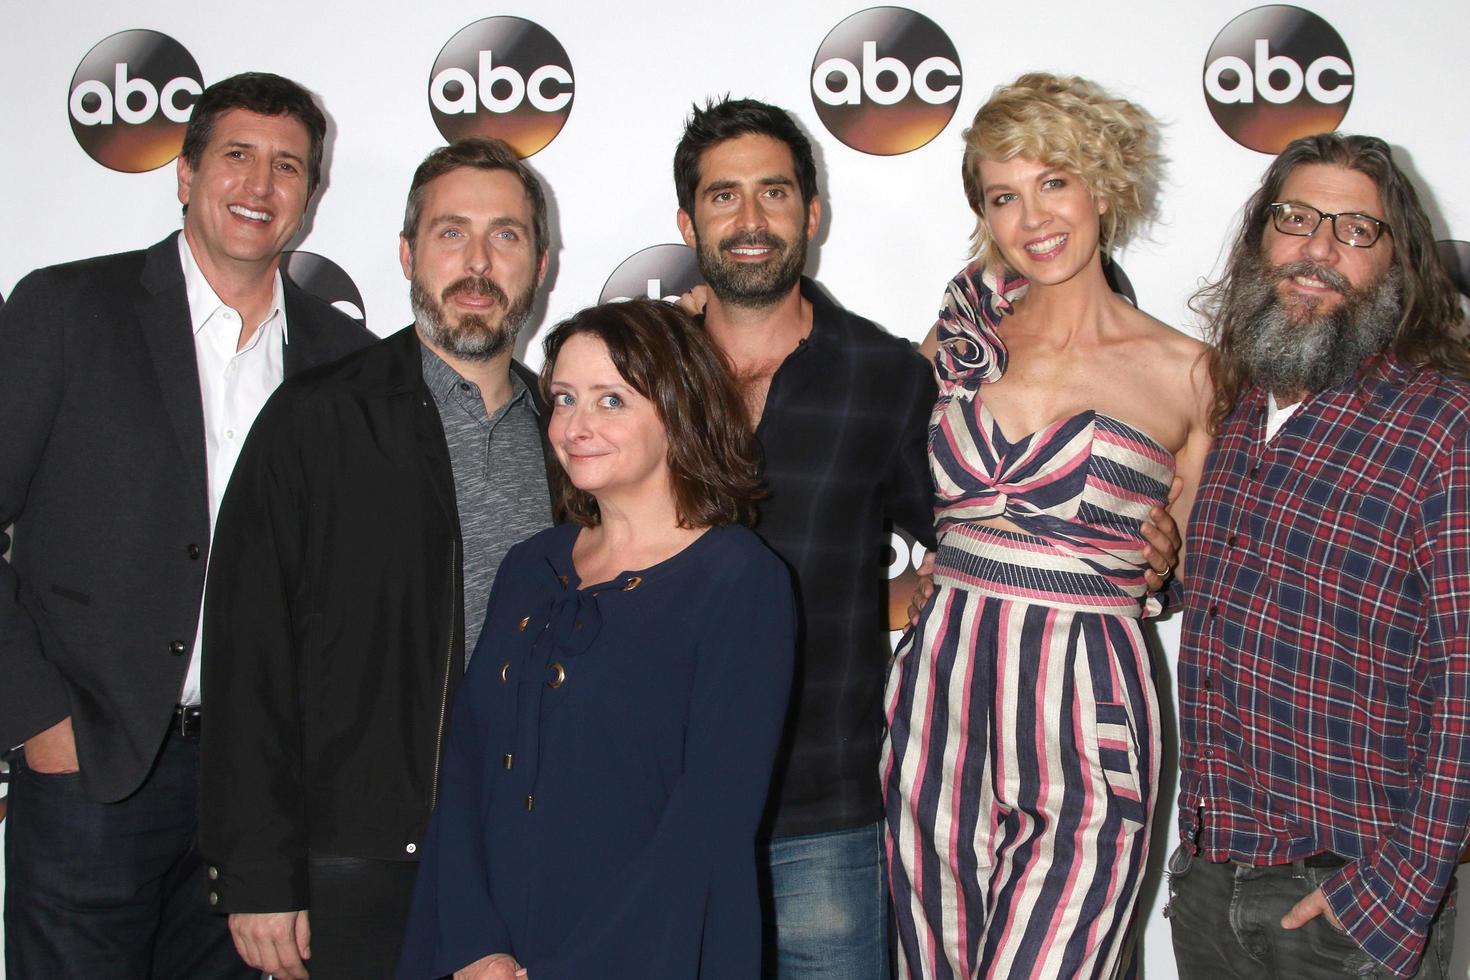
[334, 629]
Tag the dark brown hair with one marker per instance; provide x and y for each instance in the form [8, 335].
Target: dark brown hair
[726, 119]
[477, 153]
[1429, 329]
[670, 360]
[265, 95]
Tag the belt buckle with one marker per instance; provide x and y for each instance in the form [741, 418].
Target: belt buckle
[188, 720]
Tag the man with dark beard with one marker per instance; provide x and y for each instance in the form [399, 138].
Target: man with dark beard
[842, 411]
[1324, 673]
[354, 555]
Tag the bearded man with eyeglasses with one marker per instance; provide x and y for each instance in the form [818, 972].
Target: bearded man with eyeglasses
[1324, 670]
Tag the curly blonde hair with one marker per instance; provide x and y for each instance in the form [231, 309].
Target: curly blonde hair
[1072, 124]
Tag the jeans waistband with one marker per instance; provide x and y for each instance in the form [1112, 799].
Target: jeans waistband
[1326, 861]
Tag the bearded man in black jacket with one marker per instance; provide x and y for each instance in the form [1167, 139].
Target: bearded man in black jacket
[354, 557]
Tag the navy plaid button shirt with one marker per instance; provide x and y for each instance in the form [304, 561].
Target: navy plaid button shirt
[845, 438]
[1324, 674]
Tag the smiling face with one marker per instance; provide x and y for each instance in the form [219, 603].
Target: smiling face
[1043, 220]
[246, 198]
[1317, 272]
[749, 228]
[607, 436]
[472, 263]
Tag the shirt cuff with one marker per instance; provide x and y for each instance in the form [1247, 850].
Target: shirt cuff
[1371, 922]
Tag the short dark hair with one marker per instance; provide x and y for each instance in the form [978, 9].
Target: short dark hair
[726, 119]
[669, 359]
[1430, 322]
[264, 94]
[479, 153]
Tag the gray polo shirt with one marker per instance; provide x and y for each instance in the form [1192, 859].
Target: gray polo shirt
[499, 478]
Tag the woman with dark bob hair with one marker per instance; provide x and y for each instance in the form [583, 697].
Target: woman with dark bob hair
[609, 753]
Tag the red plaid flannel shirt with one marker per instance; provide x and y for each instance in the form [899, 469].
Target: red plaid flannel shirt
[1324, 674]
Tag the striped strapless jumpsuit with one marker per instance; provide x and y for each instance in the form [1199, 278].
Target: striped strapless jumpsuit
[1023, 748]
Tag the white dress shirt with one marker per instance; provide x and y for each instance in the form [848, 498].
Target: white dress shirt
[233, 387]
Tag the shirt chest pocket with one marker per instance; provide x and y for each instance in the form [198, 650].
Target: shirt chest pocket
[1342, 555]
[1326, 528]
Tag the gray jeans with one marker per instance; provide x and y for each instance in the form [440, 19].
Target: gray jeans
[1226, 920]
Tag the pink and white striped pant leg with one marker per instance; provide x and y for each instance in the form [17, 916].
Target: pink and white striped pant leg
[1019, 776]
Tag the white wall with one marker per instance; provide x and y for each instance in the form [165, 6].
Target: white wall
[896, 227]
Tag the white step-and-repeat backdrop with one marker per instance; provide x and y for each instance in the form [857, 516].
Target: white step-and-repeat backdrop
[95, 96]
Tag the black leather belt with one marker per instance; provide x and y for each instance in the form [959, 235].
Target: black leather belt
[1325, 860]
[188, 721]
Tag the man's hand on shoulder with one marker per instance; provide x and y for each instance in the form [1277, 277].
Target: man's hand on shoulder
[694, 301]
[274, 942]
[53, 751]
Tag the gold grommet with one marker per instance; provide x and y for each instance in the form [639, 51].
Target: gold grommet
[632, 583]
[530, 803]
[559, 679]
[509, 759]
[505, 672]
[563, 579]
[525, 621]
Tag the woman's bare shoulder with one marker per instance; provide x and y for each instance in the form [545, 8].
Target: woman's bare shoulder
[1171, 341]
[1169, 353]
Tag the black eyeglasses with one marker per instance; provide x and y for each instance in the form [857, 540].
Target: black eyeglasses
[1357, 230]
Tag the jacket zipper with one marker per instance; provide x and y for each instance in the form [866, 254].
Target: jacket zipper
[444, 698]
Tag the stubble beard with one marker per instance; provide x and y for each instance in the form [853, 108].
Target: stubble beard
[1289, 348]
[474, 336]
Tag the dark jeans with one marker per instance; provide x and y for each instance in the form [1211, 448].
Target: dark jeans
[111, 889]
[358, 910]
[1226, 921]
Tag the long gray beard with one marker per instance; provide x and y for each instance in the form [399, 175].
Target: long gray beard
[1287, 355]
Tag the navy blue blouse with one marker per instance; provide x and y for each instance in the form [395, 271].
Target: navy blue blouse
[608, 759]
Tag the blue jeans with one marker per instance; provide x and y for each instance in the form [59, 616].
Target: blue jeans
[1226, 920]
[826, 906]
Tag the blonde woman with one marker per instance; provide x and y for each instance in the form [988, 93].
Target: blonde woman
[1023, 745]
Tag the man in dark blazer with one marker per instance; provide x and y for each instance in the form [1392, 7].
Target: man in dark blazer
[127, 383]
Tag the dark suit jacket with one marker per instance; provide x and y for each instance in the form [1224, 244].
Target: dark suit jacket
[103, 475]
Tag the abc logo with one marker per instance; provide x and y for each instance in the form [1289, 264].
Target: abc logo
[658, 272]
[886, 80]
[324, 279]
[900, 559]
[131, 98]
[1276, 73]
[504, 77]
